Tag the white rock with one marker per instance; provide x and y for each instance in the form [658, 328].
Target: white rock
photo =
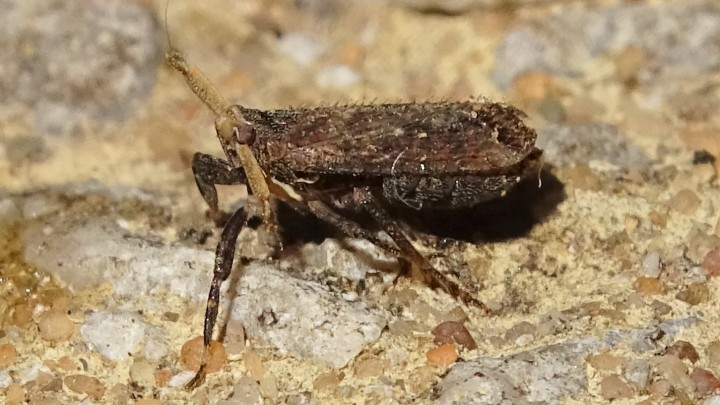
[114, 335]
[301, 48]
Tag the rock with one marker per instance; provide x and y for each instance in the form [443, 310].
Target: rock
[55, 326]
[442, 355]
[115, 335]
[84, 384]
[705, 382]
[453, 332]
[302, 317]
[613, 387]
[584, 143]
[191, 354]
[8, 355]
[677, 37]
[683, 350]
[74, 62]
[545, 375]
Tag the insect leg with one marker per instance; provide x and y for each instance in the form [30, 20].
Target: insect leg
[324, 211]
[224, 255]
[366, 198]
[210, 171]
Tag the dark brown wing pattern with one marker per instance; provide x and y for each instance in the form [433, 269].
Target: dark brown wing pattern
[430, 138]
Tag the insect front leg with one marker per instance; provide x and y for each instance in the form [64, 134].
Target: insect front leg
[224, 255]
[210, 171]
[366, 198]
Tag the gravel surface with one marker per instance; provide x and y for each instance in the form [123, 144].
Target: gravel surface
[600, 273]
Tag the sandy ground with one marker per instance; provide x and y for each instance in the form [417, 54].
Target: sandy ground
[621, 236]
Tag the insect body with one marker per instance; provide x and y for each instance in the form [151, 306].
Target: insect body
[360, 157]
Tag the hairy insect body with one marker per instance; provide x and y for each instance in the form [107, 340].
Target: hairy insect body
[433, 155]
[329, 160]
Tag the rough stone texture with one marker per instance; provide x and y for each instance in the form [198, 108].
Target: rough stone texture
[550, 374]
[566, 144]
[303, 318]
[71, 62]
[680, 37]
[546, 375]
[295, 316]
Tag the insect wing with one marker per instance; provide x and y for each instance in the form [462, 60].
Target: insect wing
[396, 139]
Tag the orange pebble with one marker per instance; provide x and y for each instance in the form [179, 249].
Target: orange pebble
[442, 355]
[8, 355]
[191, 353]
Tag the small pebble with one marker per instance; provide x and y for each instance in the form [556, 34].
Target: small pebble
[337, 76]
[660, 308]
[405, 328]
[705, 382]
[660, 388]
[328, 380]
[651, 265]
[583, 177]
[162, 377]
[142, 372]
[637, 372]
[699, 244]
[84, 384]
[268, 387]
[22, 313]
[683, 350]
[694, 294]
[658, 219]
[442, 355]
[685, 202]
[675, 371]
[453, 332]
[8, 355]
[55, 326]
[14, 394]
[369, 367]
[606, 361]
[191, 353]
[234, 338]
[711, 263]
[533, 86]
[613, 387]
[631, 223]
[457, 314]
[253, 364]
[635, 300]
[648, 286]
[66, 363]
[245, 392]
[521, 333]
[713, 353]
[118, 394]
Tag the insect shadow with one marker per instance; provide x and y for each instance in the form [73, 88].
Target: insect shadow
[496, 220]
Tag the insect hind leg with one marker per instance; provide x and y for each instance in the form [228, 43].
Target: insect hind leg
[368, 198]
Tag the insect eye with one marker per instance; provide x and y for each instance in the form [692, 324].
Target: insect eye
[244, 135]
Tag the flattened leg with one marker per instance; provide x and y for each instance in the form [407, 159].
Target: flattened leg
[364, 197]
[210, 171]
[325, 212]
[224, 255]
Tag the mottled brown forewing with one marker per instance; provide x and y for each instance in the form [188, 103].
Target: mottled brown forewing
[429, 138]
